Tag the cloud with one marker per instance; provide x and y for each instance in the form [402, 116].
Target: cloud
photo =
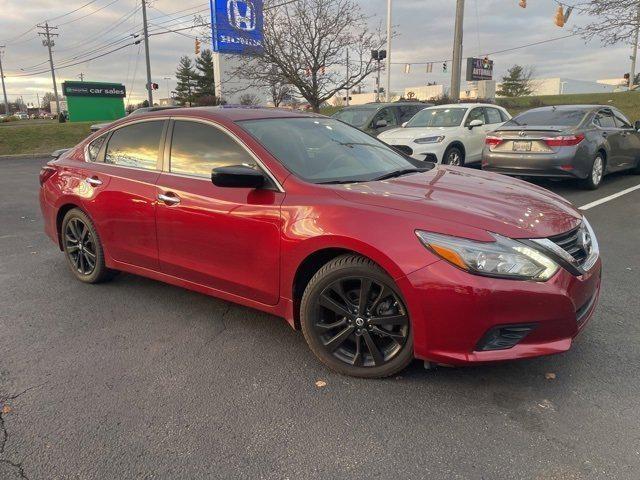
[424, 33]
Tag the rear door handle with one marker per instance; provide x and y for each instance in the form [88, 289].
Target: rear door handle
[169, 198]
[93, 181]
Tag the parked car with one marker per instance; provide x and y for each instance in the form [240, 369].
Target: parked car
[375, 118]
[21, 116]
[377, 257]
[135, 113]
[567, 141]
[452, 134]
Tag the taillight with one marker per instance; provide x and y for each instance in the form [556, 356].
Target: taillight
[46, 173]
[492, 141]
[565, 141]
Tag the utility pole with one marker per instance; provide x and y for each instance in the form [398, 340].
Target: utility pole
[81, 76]
[47, 42]
[38, 100]
[146, 52]
[456, 69]
[348, 88]
[634, 56]
[4, 90]
[388, 92]
[168, 91]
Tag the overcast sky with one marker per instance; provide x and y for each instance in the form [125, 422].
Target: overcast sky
[425, 33]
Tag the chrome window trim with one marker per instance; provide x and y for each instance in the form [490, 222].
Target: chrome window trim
[166, 169]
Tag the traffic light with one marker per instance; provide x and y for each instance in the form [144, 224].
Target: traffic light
[154, 86]
[197, 49]
[444, 67]
[523, 3]
[559, 21]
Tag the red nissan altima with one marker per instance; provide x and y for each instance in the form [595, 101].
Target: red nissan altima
[377, 257]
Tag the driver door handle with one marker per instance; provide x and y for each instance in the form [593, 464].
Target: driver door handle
[169, 198]
[93, 181]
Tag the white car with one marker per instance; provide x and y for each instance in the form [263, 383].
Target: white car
[453, 134]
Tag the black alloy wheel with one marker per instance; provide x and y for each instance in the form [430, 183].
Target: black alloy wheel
[454, 157]
[355, 320]
[82, 247]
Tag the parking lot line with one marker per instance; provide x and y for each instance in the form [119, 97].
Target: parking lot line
[608, 198]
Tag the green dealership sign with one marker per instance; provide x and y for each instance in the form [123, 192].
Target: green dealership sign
[94, 101]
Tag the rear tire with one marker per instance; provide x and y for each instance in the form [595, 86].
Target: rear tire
[363, 335]
[83, 249]
[596, 174]
[453, 156]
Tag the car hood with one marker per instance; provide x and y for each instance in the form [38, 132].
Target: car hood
[483, 200]
[410, 134]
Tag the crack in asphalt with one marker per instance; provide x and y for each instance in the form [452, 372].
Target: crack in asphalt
[4, 434]
[223, 320]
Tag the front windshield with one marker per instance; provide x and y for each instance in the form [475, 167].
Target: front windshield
[358, 117]
[437, 117]
[324, 150]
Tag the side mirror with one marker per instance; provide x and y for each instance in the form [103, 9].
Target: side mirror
[237, 176]
[404, 125]
[636, 125]
[475, 123]
[380, 123]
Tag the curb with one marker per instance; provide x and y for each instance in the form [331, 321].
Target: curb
[24, 155]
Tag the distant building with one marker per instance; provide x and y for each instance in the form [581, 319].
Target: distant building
[564, 86]
[167, 102]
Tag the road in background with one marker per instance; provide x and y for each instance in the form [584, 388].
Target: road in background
[138, 379]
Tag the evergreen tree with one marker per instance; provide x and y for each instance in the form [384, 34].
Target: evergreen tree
[205, 82]
[517, 82]
[186, 82]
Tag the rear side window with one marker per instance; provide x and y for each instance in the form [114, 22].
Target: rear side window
[493, 115]
[135, 145]
[604, 119]
[621, 120]
[504, 116]
[197, 148]
[94, 148]
[548, 117]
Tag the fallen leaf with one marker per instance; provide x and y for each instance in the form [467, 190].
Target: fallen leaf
[550, 376]
[321, 384]
[6, 409]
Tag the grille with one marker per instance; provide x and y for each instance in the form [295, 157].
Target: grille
[572, 243]
[404, 149]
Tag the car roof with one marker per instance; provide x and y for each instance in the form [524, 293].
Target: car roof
[378, 105]
[232, 114]
[571, 107]
[465, 105]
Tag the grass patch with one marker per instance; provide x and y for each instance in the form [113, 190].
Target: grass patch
[40, 138]
[627, 102]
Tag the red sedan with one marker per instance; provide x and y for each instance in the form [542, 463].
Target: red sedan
[377, 257]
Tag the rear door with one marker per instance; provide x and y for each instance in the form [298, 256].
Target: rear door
[614, 138]
[630, 141]
[120, 195]
[224, 238]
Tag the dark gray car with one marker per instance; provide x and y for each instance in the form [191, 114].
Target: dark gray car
[375, 118]
[566, 141]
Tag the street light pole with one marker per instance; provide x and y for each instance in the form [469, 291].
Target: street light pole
[168, 91]
[388, 92]
[456, 69]
[146, 52]
[634, 56]
[4, 90]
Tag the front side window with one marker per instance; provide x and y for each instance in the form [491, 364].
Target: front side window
[386, 115]
[438, 117]
[197, 148]
[356, 116]
[93, 149]
[135, 145]
[406, 112]
[475, 114]
[322, 150]
[621, 120]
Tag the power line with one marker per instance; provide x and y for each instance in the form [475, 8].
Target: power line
[89, 14]
[72, 11]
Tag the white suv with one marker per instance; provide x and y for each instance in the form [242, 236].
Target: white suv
[453, 134]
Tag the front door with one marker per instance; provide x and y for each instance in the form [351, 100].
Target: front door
[121, 191]
[224, 238]
[474, 138]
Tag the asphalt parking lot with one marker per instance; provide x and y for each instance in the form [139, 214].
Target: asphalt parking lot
[138, 379]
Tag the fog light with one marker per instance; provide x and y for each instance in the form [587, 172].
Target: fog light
[504, 336]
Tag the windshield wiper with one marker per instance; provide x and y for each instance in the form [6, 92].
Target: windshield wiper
[351, 144]
[335, 182]
[399, 173]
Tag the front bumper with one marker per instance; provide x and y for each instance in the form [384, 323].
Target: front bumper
[565, 163]
[431, 152]
[452, 311]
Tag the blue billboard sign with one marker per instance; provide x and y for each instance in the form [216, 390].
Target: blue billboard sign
[237, 26]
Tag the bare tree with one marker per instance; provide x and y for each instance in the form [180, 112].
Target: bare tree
[615, 21]
[305, 46]
[280, 92]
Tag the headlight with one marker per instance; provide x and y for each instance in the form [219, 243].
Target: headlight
[505, 258]
[436, 139]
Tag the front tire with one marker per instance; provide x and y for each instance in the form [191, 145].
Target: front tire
[83, 249]
[453, 156]
[596, 174]
[355, 320]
